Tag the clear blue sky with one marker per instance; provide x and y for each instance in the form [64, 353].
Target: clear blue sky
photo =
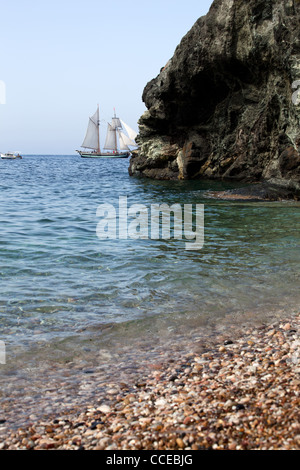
[59, 58]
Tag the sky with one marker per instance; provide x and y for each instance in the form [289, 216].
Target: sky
[61, 58]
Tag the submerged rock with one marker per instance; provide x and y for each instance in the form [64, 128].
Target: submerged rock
[257, 192]
[226, 105]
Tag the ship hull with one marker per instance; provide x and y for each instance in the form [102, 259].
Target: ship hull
[103, 154]
[10, 156]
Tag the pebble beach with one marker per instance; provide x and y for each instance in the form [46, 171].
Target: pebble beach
[240, 392]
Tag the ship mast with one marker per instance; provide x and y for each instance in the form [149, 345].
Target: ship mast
[115, 129]
[98, 123]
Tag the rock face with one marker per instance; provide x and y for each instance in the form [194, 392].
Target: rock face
[224, 106]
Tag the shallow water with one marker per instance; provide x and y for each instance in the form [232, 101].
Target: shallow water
[66, 294]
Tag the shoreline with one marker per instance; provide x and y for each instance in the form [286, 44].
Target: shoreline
[233, 394]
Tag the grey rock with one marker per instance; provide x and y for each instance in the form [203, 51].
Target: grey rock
[223, 107]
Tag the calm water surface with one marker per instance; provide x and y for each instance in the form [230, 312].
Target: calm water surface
[60, 283]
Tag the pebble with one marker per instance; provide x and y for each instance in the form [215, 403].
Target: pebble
[104, 409]
[180, 443]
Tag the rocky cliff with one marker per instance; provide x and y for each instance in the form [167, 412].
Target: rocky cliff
[224, 106]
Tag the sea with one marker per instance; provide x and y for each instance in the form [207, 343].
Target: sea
[67, 295]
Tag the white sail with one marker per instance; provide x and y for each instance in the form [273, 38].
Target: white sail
[122, 140]
[116, 123]
[91, 140]
[111, 138]
[132, 134]
[127, 141]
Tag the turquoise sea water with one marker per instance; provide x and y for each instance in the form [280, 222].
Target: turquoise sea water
[59, 282]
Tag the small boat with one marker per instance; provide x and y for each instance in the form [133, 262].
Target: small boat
[117, 142]
[10, 156]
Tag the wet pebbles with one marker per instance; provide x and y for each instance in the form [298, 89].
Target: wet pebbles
[242, 392]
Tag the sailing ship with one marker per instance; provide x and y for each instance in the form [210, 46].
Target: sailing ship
[10, 156]
[117, 142]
